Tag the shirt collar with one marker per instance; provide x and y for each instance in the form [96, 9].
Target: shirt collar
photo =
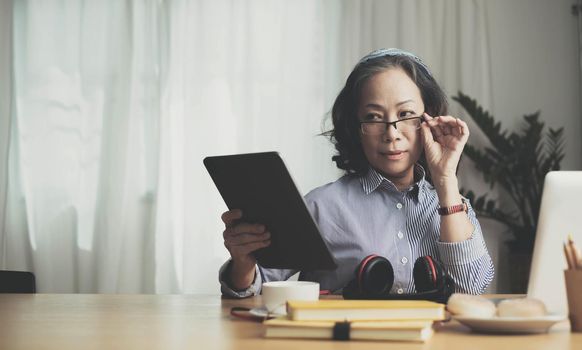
[373, 179]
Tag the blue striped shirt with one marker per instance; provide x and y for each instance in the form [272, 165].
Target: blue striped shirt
[359, 216]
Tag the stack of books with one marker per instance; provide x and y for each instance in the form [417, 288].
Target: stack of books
[398, 320]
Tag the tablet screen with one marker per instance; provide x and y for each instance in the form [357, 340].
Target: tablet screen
[260, 185]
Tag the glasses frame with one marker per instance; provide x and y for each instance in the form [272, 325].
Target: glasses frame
[388, 124]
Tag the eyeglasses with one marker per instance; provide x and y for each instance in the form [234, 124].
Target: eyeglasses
[408, 125]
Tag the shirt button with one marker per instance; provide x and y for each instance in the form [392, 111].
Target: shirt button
[399, 205]
[404, 260]
[400, 234]
[400, 291]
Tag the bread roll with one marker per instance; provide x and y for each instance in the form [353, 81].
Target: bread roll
[521, 307]
[470, 306]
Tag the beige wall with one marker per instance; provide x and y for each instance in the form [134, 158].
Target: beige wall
[534, 57]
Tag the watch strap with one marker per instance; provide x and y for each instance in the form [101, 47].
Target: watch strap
[454, 208]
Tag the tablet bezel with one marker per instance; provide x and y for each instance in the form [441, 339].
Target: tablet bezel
[261, 186]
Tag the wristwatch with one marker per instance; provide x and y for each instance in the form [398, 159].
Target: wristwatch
[454, 208]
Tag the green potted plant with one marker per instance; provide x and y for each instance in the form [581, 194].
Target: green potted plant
[517, 163]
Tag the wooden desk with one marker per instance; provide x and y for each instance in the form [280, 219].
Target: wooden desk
[87, 321]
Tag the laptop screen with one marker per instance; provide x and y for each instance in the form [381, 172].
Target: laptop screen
[560, 215]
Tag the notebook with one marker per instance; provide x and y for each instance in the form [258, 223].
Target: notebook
[560, 215]
[416, 331]
[364, 310]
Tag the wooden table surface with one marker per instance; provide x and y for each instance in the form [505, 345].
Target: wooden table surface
[107, 321]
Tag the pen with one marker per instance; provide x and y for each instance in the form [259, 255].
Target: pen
[575, 255]
[569, 257]
[577, 258]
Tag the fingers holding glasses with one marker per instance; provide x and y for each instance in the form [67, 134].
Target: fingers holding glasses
[457, 127]
[447, 125]
[433, 125]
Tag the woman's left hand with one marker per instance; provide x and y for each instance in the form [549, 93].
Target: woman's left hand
[444, 139]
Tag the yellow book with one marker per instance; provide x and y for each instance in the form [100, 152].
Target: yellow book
[416, 331]
[364, 310]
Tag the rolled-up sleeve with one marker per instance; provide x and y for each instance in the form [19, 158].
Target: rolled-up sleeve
[226, 289]
[261, 275]
[468, 262]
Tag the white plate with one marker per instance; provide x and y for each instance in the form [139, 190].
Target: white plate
[511, 324]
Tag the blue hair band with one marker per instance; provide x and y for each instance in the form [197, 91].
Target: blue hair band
[393, 52]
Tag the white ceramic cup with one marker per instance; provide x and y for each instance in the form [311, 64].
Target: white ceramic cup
[276, 294]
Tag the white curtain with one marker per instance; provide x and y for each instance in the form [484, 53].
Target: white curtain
[578, 10]
[451, 36]
[5, 113]
[115, 104]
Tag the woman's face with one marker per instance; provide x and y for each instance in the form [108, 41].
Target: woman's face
[389, 96]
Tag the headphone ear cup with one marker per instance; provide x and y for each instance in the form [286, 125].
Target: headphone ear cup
[441, 274]
[428, 274]
[449, 286]
[375, 276]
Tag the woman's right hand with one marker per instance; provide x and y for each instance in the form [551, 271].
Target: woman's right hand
[242, 239]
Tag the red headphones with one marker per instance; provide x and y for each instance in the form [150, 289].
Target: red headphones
[375, 277]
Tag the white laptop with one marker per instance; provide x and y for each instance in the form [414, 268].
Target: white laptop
[560, 215]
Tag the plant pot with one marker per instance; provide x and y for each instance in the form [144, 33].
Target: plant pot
[518, 268]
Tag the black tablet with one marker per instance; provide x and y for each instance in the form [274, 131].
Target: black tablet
[260, 185]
